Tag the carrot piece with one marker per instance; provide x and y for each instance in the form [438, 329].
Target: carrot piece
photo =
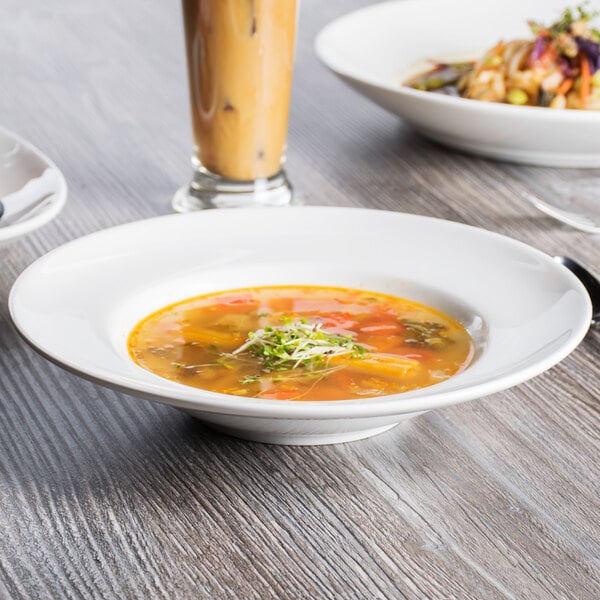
[548, 57]
[586, 80]
[565, 86]
[379, 364]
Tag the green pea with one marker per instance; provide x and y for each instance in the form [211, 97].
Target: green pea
[435, 83]
[517, 96]
[493, 61]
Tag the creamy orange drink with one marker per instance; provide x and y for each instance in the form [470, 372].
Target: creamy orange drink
[240, 59]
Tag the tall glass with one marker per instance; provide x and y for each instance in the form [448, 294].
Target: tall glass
[240, 58]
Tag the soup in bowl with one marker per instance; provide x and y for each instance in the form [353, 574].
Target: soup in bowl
[301, 343]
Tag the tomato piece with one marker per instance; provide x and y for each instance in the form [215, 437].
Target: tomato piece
[382, 343]
[282, 305]
[338, 320]
[237, 302]
[383, 322]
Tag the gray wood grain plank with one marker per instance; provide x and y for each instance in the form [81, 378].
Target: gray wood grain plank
[106, 496]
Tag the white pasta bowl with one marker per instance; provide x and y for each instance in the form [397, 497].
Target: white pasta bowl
[374, 49]
[78, 304]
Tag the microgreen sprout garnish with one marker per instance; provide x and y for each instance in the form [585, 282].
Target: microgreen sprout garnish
[295, 344]
[569, 18]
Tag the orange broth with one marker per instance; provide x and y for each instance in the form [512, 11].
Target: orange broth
[374, 344]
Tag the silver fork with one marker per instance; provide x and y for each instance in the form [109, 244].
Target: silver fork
[581, 221]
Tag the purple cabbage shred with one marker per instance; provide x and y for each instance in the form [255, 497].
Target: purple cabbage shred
[568, 66]
[538, 49]
[591, 50]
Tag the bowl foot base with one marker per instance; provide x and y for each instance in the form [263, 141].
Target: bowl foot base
[300, 439]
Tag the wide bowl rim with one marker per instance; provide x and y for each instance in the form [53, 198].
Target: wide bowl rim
[198, 400]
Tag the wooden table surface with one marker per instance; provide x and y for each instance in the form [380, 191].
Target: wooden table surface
[106, 496]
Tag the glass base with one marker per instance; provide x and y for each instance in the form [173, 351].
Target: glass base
[207, 190]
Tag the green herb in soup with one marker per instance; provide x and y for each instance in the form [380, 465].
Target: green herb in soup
[296, 344]
[301, 343]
